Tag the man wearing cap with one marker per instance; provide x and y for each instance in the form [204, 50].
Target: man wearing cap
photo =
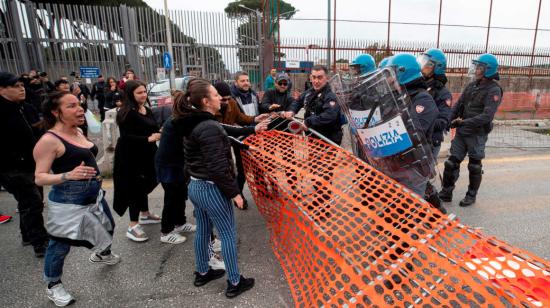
[17, 163]
[278, 99]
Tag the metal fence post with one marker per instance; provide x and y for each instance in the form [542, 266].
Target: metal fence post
[131, 58]
[35, 36]
[16, 23]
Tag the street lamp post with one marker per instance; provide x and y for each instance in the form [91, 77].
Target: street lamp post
[259, 41]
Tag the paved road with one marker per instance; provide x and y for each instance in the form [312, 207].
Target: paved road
[513, 204]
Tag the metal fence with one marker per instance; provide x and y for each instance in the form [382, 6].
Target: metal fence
[61, 38]
[514, 60]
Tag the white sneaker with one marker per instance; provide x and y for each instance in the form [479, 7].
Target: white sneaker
[216, 245]
[111, 259]
[187, 227]
[59, 296]
[136, 234]
[149, 219]
[216, 263]
[173, 238]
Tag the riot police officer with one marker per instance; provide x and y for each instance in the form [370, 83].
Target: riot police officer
[434, 65]
[472, 116]
[322, 112]
[422, 109]
[362, 65]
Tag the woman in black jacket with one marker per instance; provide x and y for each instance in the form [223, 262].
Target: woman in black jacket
[113, 95]
[213, 185]
[169, 165]
[134, 167]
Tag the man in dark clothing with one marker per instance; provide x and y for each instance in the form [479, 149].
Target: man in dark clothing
[35, 93]
[322, 111]
[434, 65]
[278, 99]
[473, 117]
[98, 92]
[244, 95]
[17, 163]
[46, 83]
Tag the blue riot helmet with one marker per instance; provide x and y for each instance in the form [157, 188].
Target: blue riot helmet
[384, 62]
[486, 65]
[434, 58]
[406, 68]
[363, 64]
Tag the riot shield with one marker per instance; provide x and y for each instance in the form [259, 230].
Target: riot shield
[383, 131]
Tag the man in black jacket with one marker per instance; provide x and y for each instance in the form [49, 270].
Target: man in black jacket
[17, 163]
[278, 99]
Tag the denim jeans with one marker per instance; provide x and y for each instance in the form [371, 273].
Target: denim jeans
[70, 192]
[213, 207]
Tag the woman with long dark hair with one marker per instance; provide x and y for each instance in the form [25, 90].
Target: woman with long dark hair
[113, 96]
[78, 214]
[134, 166]
[213, 186]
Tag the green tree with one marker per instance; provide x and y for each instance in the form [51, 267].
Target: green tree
[247, 33]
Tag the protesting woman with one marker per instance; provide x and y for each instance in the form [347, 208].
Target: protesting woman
[78, 214]
[213, 186]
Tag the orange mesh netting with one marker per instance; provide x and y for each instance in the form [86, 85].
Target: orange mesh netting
[347, 235]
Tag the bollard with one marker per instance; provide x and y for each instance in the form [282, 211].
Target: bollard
[110, 134]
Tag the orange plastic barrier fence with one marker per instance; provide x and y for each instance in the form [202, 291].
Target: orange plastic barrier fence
[347, 235]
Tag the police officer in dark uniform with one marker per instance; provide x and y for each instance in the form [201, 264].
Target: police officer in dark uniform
[472, 116]
[434, 65]
[322, 112]
[422, 109]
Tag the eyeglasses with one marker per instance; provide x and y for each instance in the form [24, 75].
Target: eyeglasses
[225, 99]
[283, 83]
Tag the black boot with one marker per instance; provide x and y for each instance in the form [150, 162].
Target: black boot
[432, 197]
[468, 200]
[446, 194]
[476, 172]
[450, 175]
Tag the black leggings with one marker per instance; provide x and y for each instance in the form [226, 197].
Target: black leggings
[139, 203]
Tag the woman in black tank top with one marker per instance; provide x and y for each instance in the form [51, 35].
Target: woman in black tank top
[65, 159]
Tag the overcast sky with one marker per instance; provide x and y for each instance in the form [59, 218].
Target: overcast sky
[506, 13]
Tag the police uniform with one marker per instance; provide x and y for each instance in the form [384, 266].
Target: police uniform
[443, 100]
[322, 112]
[423, 112]
[477, 107]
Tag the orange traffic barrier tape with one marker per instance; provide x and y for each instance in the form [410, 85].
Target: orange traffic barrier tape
[347, 235]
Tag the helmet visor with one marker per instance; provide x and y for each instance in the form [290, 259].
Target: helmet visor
[425, 61]
[477, 70]
[355, 70]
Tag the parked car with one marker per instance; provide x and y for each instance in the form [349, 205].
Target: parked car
[159, 94]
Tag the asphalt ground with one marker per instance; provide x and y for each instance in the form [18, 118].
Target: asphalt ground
[513, 205]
